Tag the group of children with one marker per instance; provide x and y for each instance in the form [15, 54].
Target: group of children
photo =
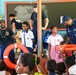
[27, 62]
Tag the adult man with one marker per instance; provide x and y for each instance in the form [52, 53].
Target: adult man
[6, 38]
[70, 28]
[33, 23]
[15, 23]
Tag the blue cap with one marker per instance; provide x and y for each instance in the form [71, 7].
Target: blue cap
[65, 18]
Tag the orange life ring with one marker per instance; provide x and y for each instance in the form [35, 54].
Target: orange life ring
[68, 47]
[7, 51]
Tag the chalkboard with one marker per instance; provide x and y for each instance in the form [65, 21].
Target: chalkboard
[54, 11]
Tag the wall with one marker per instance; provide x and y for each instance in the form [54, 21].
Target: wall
[2, 4]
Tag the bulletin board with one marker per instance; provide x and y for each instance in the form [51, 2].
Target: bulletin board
[54, 11]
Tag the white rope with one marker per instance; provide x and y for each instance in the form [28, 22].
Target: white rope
[15, 46]
[5, 57]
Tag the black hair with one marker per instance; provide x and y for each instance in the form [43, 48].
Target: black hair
[11, 15]
[35, 6]
[53, 27]
[61, 67]
[28, 59]
[51, 65]
[25, 22]
[2, 65]
[69, 61]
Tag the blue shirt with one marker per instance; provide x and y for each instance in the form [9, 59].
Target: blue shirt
[34, 18]
[71, 32]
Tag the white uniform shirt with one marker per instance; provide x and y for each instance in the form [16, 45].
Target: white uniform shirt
[3, 72]
[28, 38]
[55, 40]
[72, 70]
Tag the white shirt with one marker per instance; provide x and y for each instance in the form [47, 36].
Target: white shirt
[28, 38]
[2, 72]
[55, 40]
[72, 70]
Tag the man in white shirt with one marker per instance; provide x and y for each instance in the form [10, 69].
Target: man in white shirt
[26, 36]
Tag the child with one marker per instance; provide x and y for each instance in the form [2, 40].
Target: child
[51, 66]
[70, 65]
[39, 67]
[26, 36]
[53, 40]
[60, 68]
[3, 68]
[25, 64]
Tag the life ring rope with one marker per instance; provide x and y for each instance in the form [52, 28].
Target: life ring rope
[15, 45]
[5, 57]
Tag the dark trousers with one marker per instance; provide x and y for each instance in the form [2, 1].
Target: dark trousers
[34, 30]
